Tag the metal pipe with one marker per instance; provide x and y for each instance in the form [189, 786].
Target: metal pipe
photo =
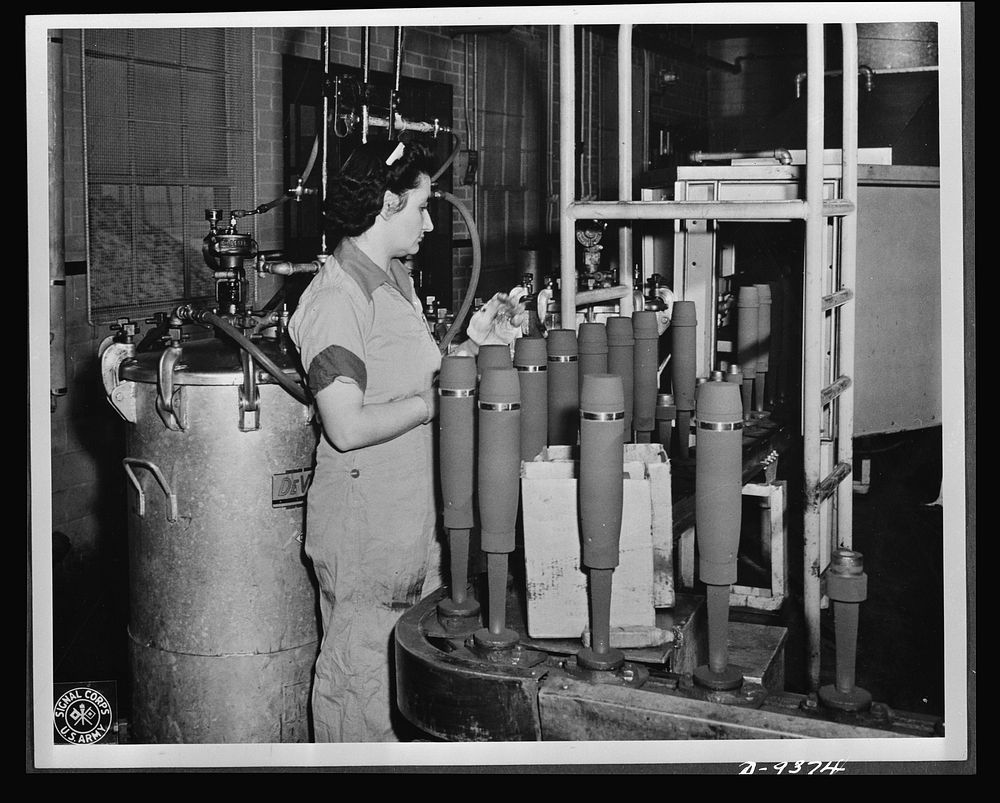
[812, 345]
[549, 127]
[848, 279]
[625, 162]
[783, 155]
[326, 133]
[394, 95]
[567, 177]
[866, 72]
[57, 255]
[365, 55]
[900, 70]
[586, 297]
[475, 121]
[684, 210]
[401, 124]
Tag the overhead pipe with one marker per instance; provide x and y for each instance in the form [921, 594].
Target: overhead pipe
[398, 124]
[867, 72]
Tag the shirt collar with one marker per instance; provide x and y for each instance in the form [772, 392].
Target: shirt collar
[359, 266]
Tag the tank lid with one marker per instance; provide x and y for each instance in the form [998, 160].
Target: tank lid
[211, 361]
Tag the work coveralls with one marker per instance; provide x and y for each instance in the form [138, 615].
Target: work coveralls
[371, 524]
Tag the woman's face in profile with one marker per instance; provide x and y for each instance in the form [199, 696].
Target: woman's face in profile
[412, 221]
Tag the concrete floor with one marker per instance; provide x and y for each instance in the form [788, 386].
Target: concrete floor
[900, 646]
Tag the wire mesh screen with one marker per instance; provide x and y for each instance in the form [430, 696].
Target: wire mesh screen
[168, 116]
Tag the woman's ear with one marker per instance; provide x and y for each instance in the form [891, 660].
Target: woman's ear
[391, 204]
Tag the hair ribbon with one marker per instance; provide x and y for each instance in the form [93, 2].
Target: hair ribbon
[391, 159]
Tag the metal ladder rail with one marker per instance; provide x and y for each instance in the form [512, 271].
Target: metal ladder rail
[837, 397]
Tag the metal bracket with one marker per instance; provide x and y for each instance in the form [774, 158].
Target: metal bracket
[128, 462]
[249, 396]
[168, 400]
[123, 399]
[121, 395]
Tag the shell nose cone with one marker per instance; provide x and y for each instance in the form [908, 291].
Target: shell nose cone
[500, 386]
[644, 325]
[684, 314]
[458, 372]
[592, 338]
[719, 402]
[562, 343]
[602, 393]
[530, 351]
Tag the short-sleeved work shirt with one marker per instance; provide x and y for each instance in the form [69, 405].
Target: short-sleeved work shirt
[358, 322]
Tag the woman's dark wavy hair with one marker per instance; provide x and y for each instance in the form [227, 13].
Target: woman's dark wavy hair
[355, 194]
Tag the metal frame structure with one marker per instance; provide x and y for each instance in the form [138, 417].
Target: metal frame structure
[828, 319]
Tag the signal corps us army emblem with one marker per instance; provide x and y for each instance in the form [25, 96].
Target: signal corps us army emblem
[85, 714]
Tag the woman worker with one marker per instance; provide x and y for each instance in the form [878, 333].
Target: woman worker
[371, 362]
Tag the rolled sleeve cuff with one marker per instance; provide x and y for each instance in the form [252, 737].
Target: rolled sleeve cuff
[335, 362]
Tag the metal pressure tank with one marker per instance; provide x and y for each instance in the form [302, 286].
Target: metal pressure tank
[223, 626]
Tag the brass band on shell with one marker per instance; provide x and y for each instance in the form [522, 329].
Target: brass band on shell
[461, 392]
[618, 416]
[563, 358]
[723, 426]
[500, 407]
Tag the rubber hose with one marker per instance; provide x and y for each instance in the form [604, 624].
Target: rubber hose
[203, 316]
[449, 160]
[477, 260]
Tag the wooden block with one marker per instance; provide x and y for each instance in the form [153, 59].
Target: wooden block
[556, 582]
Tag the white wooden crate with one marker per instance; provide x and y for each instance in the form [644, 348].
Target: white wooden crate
[557, 603]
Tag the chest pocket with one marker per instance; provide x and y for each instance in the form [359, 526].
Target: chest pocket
[401, 355]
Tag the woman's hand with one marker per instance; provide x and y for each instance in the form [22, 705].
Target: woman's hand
[499, 320]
